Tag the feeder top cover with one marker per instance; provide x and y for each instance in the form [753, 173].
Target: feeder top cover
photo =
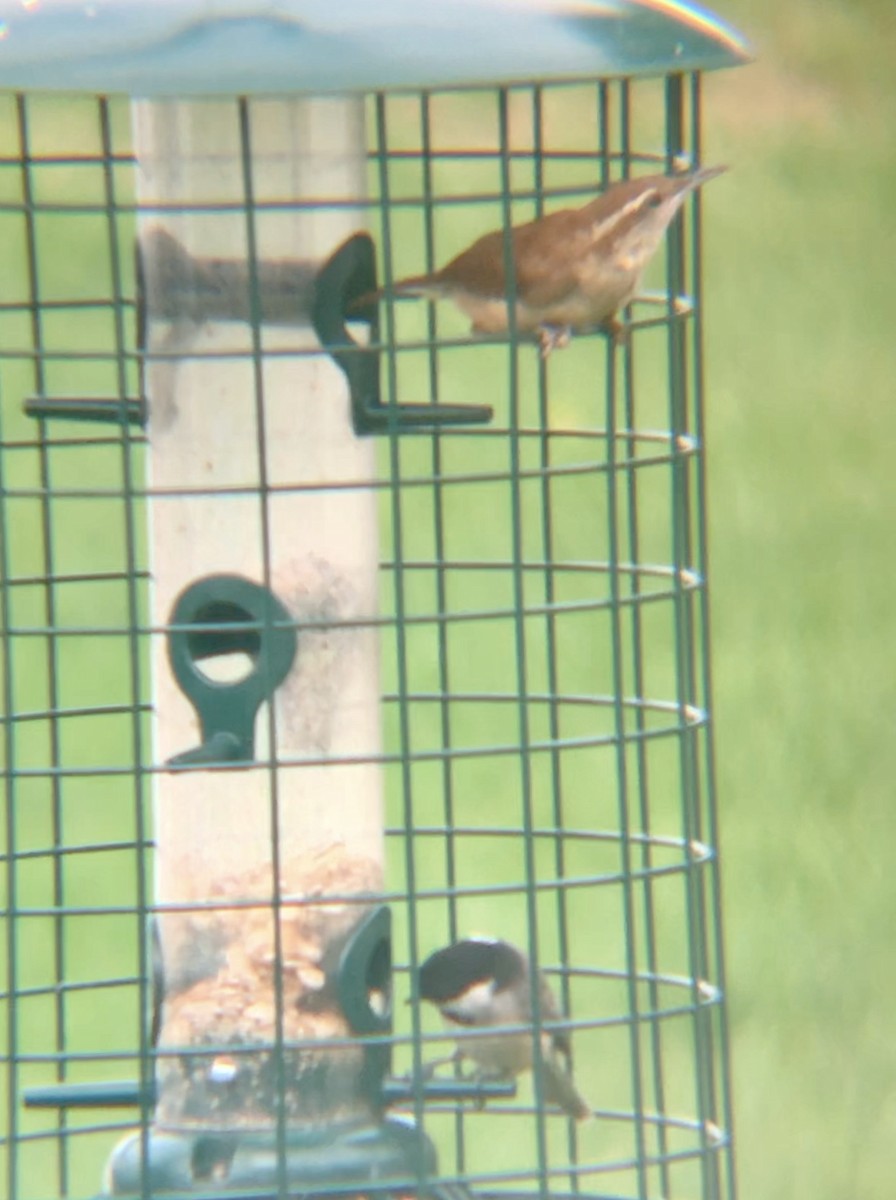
[227, 47]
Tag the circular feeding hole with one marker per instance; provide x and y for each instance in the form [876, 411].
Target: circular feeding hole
[225, 641]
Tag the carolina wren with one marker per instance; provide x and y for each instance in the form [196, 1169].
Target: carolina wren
[573, 269]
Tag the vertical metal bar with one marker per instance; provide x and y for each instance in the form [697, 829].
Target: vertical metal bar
[401, 649]
[49, 599]
[603, 131]
[7, 654]
[519, 602]
[639, 716]
[131, 496]
[550, 599]
[441, 571]
[258, 389]
[622, 785]
[625, 126]
[702, 566]
[685, 641]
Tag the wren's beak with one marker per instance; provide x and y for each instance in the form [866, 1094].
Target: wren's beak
[704, 174]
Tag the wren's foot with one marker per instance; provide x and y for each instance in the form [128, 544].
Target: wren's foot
[617, 332]
[553, 337]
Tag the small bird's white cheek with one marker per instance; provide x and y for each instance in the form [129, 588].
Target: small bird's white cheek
[474, 1007]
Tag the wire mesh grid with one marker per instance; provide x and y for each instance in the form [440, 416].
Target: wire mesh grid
[542, 629]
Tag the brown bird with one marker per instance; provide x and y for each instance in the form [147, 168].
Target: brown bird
[573, 269]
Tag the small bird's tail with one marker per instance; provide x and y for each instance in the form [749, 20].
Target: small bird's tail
[559, 1089]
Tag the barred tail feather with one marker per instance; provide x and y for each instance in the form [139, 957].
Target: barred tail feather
[413, 285]
[417, 285]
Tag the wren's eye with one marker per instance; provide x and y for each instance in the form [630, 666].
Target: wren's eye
[654, 200]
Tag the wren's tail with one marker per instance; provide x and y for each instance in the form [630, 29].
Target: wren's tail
[559, 1089]
[413, 285]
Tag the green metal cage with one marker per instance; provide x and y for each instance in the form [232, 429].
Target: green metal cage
[498, 724]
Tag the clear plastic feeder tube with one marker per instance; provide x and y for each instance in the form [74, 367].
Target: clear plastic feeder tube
[249, 434]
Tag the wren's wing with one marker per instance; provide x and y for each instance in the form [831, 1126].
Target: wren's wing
[479, 269]
[545, 253]
[548, 254]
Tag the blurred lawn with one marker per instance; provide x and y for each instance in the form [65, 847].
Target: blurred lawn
[801, 242]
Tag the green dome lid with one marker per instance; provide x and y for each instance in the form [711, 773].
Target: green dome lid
[227, 47]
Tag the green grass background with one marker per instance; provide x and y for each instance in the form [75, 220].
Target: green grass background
[801, 245]
[801, 242]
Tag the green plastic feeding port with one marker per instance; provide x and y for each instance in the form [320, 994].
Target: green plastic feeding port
[341, 624]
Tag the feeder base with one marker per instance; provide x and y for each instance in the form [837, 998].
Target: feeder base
[242, 1163]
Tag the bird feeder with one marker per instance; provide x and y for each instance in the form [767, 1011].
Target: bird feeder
[334, 631]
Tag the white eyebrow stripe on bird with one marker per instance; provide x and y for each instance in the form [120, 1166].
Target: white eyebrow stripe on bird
[608, 224]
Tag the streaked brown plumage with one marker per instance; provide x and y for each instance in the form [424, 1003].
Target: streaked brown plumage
[574, 268]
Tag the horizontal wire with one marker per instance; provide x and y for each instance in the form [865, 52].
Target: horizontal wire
[678, 308]
[571, 1026]
[558, 608]
[565, 971]
[697, 850]
[364, 900]
[558, 471]
[694, 718]
[490, 196]
[556, 566]
[451, 153]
